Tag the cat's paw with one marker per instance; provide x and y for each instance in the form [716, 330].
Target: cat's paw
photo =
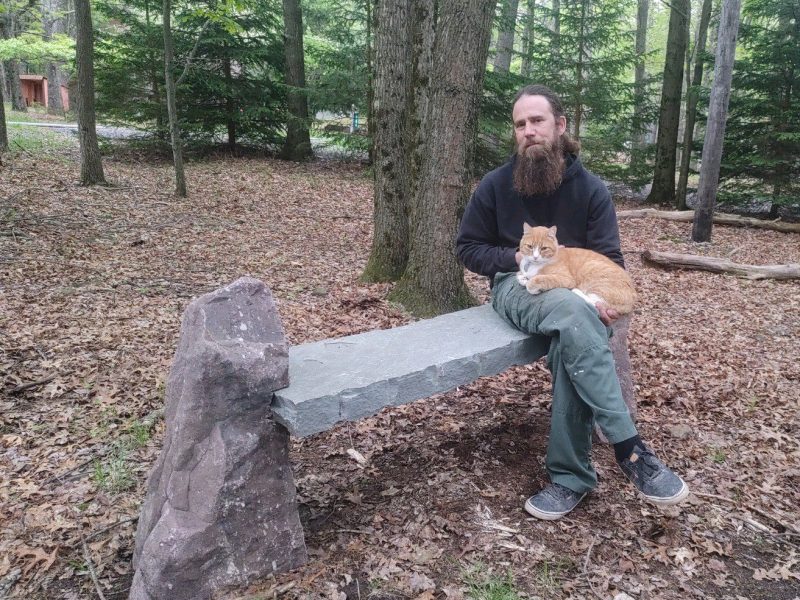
[522, 278]
[533, 288]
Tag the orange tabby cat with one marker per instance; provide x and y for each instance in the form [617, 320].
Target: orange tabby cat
[595, 278]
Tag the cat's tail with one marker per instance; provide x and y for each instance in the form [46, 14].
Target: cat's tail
[619, 293]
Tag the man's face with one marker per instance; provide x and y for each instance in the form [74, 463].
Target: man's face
[535, 126]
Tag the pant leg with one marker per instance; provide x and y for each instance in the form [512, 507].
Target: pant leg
[584, 378]
[569, 446]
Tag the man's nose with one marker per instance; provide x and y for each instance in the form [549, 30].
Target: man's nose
[530, 129]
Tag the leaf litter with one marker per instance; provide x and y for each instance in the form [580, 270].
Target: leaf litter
[414, 501]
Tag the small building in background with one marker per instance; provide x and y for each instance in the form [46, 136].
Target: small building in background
[34, 90]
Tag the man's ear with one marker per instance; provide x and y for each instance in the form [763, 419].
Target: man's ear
[561, 124]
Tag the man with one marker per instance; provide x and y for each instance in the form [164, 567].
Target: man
[545, 184]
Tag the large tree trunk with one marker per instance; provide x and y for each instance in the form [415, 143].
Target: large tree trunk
[639, 74]
[692, 96]
[505, 37]
[392, 102]
[663, 190]
[91, 163]
[369, 6]
[298, 139]
[433, 281]
[715, 127]
[172, 104]
[527, 39]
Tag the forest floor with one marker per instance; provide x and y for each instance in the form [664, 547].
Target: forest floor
[93, 283]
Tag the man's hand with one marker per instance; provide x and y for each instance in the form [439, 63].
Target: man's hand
[518, 257]
[607, 314]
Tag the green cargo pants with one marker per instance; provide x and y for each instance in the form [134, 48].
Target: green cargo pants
[585, 385]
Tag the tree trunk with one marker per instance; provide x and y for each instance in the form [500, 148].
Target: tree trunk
[14, 86]
[692, 95]
[579, 74]
[715, 127]
[50, 25]
[639, 74]
[298, 139]
[505, 37]
[394, 39]
[3, 132]
[91, 163]
[230, 104]
[172, 105]
[155, 90]
[663, 190]
[527, 40]
[433, 281]
[370, 54]
[721, 265]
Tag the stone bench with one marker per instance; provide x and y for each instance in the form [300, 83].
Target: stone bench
[221, 508]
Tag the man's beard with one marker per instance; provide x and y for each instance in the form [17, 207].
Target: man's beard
[539, 169]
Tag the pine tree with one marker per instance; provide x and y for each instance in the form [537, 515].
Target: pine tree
[762, 137]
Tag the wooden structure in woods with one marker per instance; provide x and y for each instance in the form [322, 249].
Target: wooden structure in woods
[34, 90]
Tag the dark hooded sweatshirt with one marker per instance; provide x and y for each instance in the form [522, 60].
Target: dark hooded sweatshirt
[491, 228]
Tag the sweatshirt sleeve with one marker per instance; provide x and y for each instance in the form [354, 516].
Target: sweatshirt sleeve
[602, 231]
[478, 244]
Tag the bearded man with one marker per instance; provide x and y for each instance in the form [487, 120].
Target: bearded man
[545, 184]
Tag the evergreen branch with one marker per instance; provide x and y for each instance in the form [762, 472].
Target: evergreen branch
[192, 53]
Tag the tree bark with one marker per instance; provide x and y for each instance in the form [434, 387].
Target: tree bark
[639, 74]
[91, 162]
[692, 95]
[433, 282]
[721, 265]
[391, 106]
[527, 39]
[230, 104]
[172, 105]
[50, 25]
[3, 132]
[715, 127]
[297, 145]
[579, 74]
[11, 68]
[505, 37]
[663, 190]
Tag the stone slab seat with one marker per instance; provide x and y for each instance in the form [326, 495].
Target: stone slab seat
[352, 377]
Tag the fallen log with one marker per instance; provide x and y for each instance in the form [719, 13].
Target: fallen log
[721, 265]
[687, 216]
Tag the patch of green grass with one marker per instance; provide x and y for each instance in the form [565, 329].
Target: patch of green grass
[484, 585]
[114, 474]
[39, 140]
[718, 455]
[549, 573]
[34, 113]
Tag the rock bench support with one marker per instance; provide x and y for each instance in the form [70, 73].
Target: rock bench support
[220, 508]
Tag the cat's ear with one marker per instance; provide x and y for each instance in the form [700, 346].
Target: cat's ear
[552, 232]
[525, 227]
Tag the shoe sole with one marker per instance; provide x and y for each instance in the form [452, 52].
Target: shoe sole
[680, 496]
[548, 516]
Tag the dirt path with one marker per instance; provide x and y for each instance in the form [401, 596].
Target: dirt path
[93, 283]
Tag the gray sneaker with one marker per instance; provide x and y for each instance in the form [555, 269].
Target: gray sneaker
[553, 502]
[654, 480]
